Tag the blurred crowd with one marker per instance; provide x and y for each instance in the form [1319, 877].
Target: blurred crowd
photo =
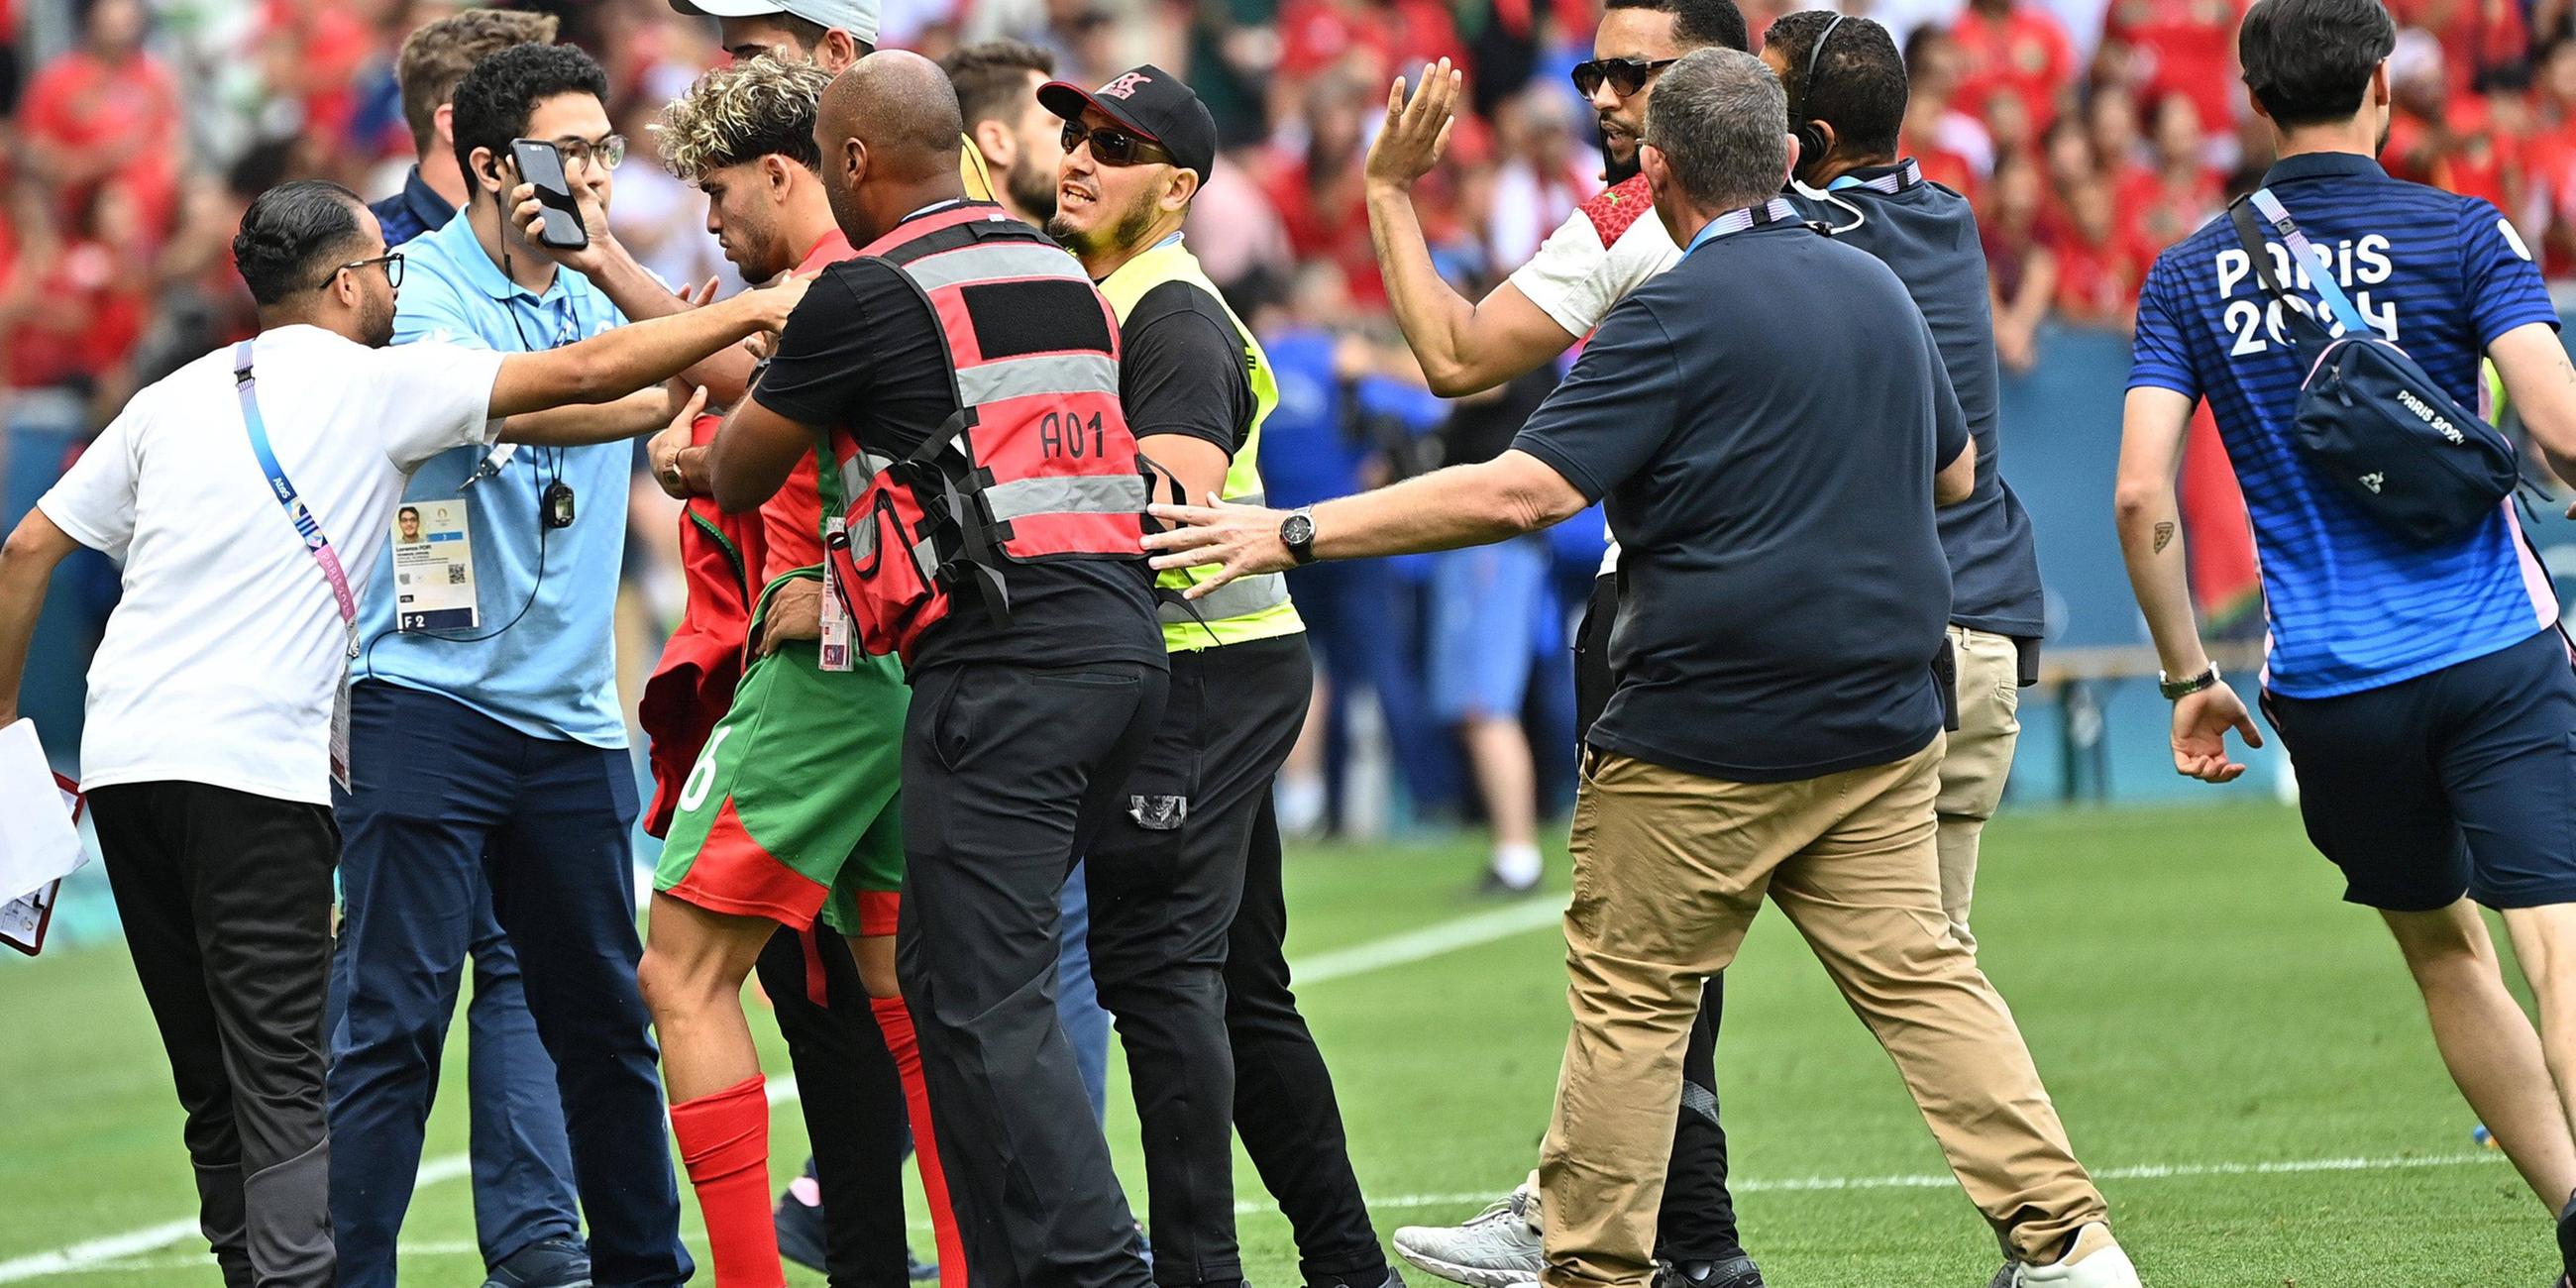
[2089, 133]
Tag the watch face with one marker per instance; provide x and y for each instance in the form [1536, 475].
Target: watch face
[1299, 530]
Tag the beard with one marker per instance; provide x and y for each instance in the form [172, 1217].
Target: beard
[1128, 230]
[376, 322]
[1615, 171]
[1032, 188]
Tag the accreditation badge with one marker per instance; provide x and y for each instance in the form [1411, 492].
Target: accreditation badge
[433, 567]
[835, 614]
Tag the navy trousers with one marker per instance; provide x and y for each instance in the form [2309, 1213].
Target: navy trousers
[522, 1163]
[448, 799]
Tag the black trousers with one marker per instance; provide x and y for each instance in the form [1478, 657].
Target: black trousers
[1164, 880]
[1697, 1222]
[1009, 773]
[854, 1111]
[226, 899]
[1283, 1096]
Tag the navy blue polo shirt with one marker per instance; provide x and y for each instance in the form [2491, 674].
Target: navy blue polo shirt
[1782, 587]
[1929, 236]
[415, 210]
[2353, 606]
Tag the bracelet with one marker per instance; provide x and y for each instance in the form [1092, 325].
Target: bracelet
[2176, 690]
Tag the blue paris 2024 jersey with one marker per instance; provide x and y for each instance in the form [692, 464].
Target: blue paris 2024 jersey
[2352, 605]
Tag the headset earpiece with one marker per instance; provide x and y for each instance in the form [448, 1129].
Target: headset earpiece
[1810, 133]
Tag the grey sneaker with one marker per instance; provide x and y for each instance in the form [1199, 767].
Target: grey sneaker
[1498, 1249]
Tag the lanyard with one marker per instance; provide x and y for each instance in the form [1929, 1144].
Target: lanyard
[306, 527]
[1893, 182]
[2320, 268]
[1736, 221]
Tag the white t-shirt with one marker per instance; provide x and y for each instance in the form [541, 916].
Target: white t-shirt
[221, 662]
[1610, 247]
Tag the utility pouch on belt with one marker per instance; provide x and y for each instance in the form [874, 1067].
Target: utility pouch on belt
[1945, 672]
[2399, 445]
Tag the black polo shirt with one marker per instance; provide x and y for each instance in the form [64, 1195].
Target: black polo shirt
[1929, 236]
[1764, 420]
[862, 354]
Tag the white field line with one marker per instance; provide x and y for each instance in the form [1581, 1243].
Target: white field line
[1395, 950]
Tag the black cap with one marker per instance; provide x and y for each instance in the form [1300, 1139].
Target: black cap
[1152, 102]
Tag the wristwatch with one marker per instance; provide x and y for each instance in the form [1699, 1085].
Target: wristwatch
[1297, 532]
[2176, 690]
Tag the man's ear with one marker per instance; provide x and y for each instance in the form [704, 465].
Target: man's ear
[2380, 92]
[484, 167]
[774, 172]
[442, 126]
[1792, 172]
[1183, 187]
[1658, 172]
[1825, 131]
[839, 49]
[854, 162]
[1000, 147]
[2378, 85]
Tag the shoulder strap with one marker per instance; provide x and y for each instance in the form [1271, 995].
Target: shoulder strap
[2319, 268]
[307, 528]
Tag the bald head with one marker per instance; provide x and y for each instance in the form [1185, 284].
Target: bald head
[888, 130]
[900, 107]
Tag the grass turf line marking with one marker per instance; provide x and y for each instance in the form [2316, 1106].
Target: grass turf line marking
[1361, 959]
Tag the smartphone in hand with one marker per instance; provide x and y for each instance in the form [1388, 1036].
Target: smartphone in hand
[542, 165]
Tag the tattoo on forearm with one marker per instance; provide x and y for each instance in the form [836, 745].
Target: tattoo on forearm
[2164, 536]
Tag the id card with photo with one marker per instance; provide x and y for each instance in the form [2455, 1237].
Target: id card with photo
[433, 567]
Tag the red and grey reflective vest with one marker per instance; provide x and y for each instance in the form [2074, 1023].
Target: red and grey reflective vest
[1037, 462]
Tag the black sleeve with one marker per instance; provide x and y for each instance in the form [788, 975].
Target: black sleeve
[1949, 422]
[822, 365]
[1182, 369]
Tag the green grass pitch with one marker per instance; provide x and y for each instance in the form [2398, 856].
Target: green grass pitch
[2237, 1052]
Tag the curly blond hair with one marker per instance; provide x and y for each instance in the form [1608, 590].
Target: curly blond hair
[740, 113]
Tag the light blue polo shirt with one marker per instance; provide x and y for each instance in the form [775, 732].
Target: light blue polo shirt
[547, 596]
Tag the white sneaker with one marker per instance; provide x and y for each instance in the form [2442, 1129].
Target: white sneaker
[2095, 1261]
[1498, 1249]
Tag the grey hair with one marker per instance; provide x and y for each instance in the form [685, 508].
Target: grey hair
[1721, 120]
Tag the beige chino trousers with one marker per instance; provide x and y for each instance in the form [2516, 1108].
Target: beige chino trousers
[1669, 870]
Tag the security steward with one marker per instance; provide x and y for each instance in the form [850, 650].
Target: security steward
[964, 375]
[1200, 993]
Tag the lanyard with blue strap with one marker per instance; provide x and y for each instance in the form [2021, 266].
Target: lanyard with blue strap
[309, 531]
[2319, 266]
[1777, 210]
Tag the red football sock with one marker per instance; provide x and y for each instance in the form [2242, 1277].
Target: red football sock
[894, 1020]
[724, 1143]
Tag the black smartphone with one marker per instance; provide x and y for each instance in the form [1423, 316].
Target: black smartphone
[542, 165]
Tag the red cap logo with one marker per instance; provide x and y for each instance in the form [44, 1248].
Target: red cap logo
[1125, 86]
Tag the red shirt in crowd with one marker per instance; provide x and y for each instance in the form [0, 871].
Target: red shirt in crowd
[2025, 53]
[2475, 35]
[327, 46]
[2097, 282]
[2159, 208]
[82, 105]
[92, 319]
[1315, 34]
[2185, 47]
[1326, 221]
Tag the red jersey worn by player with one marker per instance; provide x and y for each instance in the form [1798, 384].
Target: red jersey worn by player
[692, 685]
[1611, 245]
[2023, 51]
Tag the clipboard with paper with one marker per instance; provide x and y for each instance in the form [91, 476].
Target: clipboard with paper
[39, 840]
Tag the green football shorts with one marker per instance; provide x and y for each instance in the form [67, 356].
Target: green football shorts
[792, 809]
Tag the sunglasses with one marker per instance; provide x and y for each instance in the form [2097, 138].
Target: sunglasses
[1111, 145]
[393, 262]
[1626, 75]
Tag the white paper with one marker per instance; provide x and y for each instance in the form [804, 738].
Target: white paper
[37, 841]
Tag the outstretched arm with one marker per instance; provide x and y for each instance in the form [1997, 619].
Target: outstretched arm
[636, 356]
[1463, 347]
[1463, 505]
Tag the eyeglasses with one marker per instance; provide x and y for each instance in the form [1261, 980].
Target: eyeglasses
[1626, 75]
[392, 260]
[1111, 145]
[607, 154]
